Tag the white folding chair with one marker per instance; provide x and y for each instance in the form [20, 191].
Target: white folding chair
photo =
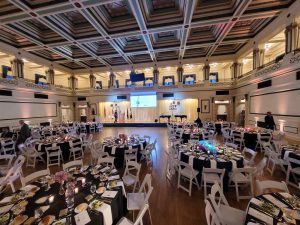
[8, 147]
[76, 152]
[231, 145]
[211, 216]
[242, 177]
[131, 154]
[276, 161]
[75, 163]
[147, 153]
[147, 138]
[259, 168]
[131, 174]
[54, 156]
[226, 214]
[263, 138]
[107, 161]
[294, 170]
[187, 172]
[264, 186]
[135, 201]
[6, 163]
[249, 156]
[33, 176]
[210, 176]
[139, 218]
[238, 138]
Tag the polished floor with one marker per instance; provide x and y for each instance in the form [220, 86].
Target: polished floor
[168, 204]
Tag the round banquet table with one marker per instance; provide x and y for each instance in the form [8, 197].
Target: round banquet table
[64, 146]
[118, 151]
[258, 215]
[198, 163]
[117, 204]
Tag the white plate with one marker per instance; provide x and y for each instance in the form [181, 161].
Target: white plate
[60, 222]
[52, 218]
[81, 207]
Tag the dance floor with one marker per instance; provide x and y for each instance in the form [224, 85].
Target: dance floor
[168, 204]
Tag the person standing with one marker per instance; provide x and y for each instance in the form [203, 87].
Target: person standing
[23, 134]
[269, 121]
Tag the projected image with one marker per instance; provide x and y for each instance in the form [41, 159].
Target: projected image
[143, 101]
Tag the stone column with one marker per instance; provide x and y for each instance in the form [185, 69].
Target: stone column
[50, 75]
[17, 66]
[92, 80]
[234, 71]
[73, 82]
[291, 37]
[206, 71]
[155, 75]
[258, 57]
[180, 73]
[112, 79]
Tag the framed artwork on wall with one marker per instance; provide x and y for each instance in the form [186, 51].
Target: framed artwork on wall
[205, 106]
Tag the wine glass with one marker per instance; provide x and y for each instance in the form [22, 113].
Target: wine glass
[38, 213]
[93, 189]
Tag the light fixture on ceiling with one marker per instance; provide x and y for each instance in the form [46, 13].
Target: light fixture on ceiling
[168, 68]
[214, 64]
[267, 46]
[245, 61]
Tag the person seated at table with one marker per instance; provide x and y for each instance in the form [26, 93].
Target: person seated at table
[6, 133]
[24, 133]
[269, 121]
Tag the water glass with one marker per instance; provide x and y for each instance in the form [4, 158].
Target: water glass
[93, 189]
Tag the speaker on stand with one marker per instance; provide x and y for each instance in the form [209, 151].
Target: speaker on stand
[198, 120]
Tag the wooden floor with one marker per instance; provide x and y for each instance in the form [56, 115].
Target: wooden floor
[169, 205]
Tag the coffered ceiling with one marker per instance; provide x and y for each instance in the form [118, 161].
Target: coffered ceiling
[88, 34]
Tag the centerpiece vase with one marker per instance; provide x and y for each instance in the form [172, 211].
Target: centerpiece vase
[61, 189]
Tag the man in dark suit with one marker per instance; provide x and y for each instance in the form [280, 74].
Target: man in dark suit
[269, 121]
[23, 134]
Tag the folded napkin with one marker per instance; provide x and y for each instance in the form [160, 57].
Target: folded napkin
[259, 215]
[5, 209]
[104, 169]
[113, 150]
[116, 177]
[6, 199]
[28, 187]
[109, 194]
[105, 209]
[275, 201]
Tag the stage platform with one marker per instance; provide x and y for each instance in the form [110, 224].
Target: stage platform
[135, 124]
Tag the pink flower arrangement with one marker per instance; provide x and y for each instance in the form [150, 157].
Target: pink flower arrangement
[61, 176]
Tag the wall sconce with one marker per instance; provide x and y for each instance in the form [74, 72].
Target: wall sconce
[281, 125]
[256, 119]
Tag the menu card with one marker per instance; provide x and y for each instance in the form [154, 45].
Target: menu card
[82, 218]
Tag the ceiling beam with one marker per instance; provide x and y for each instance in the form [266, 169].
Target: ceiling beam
[138, 14]
[186, 27]
[93, 21]
[238, 12]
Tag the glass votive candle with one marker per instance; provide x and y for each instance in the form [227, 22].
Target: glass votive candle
[83, 181]
[76, 190]
[51, 199]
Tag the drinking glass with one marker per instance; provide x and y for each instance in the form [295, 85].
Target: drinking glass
[93, 189]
